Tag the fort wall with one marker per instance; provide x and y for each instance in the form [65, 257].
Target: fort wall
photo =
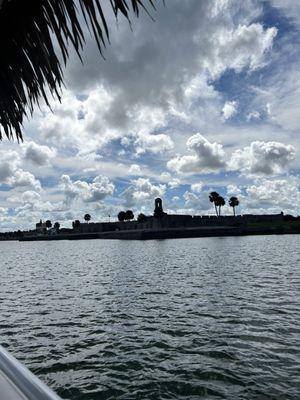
[177, 221]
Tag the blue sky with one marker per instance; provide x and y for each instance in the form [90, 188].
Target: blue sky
[206, 97]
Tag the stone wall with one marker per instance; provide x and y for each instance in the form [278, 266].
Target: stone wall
[178, 221]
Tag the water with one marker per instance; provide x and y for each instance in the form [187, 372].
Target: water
[211, 318]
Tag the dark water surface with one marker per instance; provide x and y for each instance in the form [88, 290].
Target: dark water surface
[212, 318]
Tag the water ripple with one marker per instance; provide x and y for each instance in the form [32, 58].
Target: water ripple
[184, 319]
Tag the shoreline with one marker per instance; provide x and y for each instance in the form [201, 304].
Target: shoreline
[174, 233]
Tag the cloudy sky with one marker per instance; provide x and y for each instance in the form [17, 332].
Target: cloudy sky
[206, 97]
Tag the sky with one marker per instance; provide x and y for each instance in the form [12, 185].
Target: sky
[203, 97]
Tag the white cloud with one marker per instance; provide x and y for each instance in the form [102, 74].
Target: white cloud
[97, 190]
[9, 162]
[12, 174]
[254, 115]
[158, 143]
[200, 87]
[281, 194]
[233, 190]
[3, 210]
[38, 154]
[196, 203]
[263, 158]
[207, 157]
[135, 169]
[24, 178]
[245, 46]
[142, 191]
[131, 113]
[167, 178]
[229, 109]
[197, 187]
[30, 196]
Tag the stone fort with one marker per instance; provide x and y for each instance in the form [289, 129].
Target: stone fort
[162, 220]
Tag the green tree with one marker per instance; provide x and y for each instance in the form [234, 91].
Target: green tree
[142, 217]
[57, 226]
[233, 202]
[76, 224]
[213, 196]
[129, 215]
[87, 218]
[48, 223]
[121, 216]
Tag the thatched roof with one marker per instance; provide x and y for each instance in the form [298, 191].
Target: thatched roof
[29, 65]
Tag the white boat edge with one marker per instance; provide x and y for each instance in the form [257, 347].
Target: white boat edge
[18, 383]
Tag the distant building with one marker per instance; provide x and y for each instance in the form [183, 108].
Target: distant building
[158, 210]
[40, 227]
[162, 220]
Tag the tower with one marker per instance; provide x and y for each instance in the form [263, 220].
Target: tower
[158, 210]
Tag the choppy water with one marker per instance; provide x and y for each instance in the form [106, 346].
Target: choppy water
[212, 318]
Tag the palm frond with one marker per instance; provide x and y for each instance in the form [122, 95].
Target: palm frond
[29, 64]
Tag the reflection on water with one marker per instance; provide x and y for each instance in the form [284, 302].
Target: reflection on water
[217, 318]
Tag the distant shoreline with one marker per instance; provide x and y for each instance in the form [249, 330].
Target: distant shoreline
[171, 233]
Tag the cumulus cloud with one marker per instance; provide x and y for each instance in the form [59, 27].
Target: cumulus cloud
[172, 182]
[142, 190]
[280, 193]
[196, 203]
[128, 114]
[229, 109]
[245, 46]
[159, 143]
[93, 131]
[24, 178]
[263, 158]
[233, 190]
[135, 169]
[200, 87]
[30, 207]
[30, 196]
[207, 157]
[38, 154]
[197, 187]
[97, 190]
[12, 174]
[194, 43]
[9, 162]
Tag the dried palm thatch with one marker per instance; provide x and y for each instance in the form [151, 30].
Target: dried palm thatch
[29, 65]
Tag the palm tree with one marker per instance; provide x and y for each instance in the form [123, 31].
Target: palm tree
[234, 202]
[213, 196]
[31, 31]
[48, 223]
[87, 218]
[220, 202]
[121, 216]
[129, 215]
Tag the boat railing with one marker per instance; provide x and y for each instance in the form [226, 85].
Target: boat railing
[17, 382]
